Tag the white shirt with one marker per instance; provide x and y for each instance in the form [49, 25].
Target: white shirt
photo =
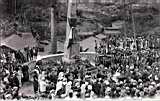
[59, 85]
[121, 45]
[43, 86]
[83, 88]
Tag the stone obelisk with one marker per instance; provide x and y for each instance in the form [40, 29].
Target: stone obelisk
[71, 47]
[53, 32]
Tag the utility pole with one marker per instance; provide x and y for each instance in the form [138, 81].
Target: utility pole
[53, 32]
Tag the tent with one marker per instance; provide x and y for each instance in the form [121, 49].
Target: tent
[17, 42]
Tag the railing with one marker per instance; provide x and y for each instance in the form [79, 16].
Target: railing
[57, 57]
[89, 55]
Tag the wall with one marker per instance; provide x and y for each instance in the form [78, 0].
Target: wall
[57, 57]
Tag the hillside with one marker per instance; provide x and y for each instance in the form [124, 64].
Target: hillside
[36, 14]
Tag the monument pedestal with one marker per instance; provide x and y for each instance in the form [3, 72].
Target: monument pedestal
[71, 53]
[72, 47]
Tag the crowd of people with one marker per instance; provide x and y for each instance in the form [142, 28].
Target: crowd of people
[12, 71]
[131, 71]
[136, 78]
[19, 56]
[127, 43]
[121, 73]
[118, 72]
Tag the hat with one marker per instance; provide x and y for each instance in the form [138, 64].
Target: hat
[87, 76]
[89, 87]
[43, 72]
[86, 83]
[153, 83]
[127, 88]
[2, 61]
[139, 80]
[156, 78]
[117, 74]
[106, 82]
[132, 67]
[118, 88]
[64, 79]
[158, 85]
[127, 66]
[150, 87]
[148, 67]
[69, 83]
[108, 89]
[77, 84]
[121, 82]
[43, 78]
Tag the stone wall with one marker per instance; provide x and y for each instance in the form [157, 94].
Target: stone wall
[57, 57]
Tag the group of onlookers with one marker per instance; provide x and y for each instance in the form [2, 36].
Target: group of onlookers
[12, 77]
[31, 53]
[126, 43]
[12, 73]
[131, 73]
[19, 56]
[117, 73]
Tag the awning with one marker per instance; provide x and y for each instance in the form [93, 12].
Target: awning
[16, 42]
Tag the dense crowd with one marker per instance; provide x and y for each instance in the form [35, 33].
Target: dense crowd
[12, 72]
[9, 55]
[121, 73]
[118, 73]
[78, 80]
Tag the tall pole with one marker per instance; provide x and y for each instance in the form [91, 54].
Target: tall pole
[71, 47]
[124, 25]
[133, 25]
[66, 51]
[68, 17]
[53, 33]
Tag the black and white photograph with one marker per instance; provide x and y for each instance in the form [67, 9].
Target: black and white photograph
[80, 50]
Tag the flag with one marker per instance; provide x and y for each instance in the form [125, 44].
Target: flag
[70, 42]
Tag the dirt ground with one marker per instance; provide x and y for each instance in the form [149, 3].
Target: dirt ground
[27, 89]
